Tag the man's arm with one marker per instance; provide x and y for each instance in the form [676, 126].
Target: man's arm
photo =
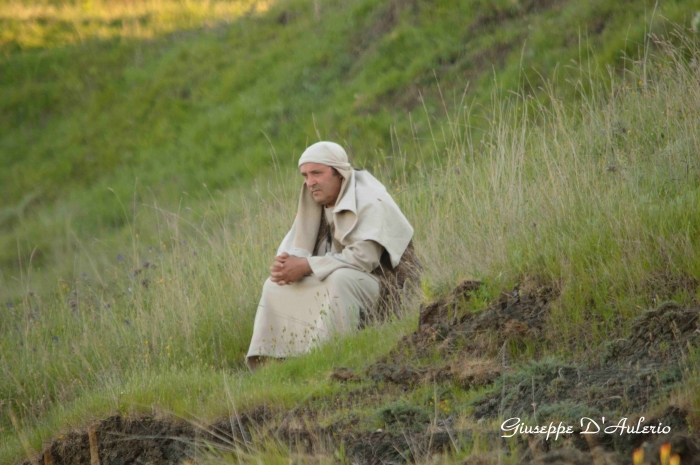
[360, 255]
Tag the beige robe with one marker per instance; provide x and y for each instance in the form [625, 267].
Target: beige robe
[294, 318]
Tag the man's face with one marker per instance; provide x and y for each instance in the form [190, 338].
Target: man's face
[323, 182]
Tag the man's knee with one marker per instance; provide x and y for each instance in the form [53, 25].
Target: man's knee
[341, 278]
[348, 279]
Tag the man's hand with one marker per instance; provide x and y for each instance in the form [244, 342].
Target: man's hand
[287, 269]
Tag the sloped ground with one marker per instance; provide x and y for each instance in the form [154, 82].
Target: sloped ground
[623, 379]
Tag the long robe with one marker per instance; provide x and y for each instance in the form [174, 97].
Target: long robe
[294, 318]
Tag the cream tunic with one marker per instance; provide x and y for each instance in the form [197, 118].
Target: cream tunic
[294, 318]
[360, 255]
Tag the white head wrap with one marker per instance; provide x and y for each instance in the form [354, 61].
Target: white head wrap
[329, 154]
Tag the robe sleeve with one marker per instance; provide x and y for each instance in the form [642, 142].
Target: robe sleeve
[360, 255]
[287, 244]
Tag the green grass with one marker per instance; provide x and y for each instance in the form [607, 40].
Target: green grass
[116, 116]
[591, 184]
[37, 24]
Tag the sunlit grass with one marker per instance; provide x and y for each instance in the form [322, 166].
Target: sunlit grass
[27, 25]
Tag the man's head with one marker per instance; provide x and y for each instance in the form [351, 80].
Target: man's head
[323, 181]
[324, 166]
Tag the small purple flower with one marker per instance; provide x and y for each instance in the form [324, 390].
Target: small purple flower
[10, 305]
[120, 258]
[150, 248]
[85, 276]
[55, 339]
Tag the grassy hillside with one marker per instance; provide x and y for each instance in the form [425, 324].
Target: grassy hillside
[578, 196]
[96, 114]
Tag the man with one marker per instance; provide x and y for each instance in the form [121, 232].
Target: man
[348, 250]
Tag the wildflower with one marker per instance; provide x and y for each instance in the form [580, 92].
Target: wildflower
[675, 460]
[10, 305]
[665, 453]
[120, 258]
[638, 456]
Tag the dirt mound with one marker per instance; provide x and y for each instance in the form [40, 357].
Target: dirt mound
[122, 441]
[401, 375]
[443, 310]
[445, 328]
[518, 314]
[660, 335]
[344, 375]
[632, 374]
[148, 440]
[629, 375]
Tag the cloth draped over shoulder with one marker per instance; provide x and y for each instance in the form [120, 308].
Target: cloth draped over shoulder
[394, 281]
[365, 210]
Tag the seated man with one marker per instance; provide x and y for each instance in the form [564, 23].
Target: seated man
[348, 250]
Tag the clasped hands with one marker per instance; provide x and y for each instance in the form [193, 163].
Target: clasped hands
[287, 269]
